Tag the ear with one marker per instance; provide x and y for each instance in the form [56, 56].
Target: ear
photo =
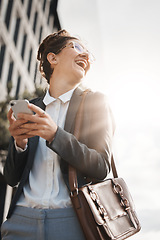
[51, 57]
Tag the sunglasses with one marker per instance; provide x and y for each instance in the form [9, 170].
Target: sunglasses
[80, 50]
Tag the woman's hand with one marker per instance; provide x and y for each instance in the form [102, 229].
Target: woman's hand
[40, 124]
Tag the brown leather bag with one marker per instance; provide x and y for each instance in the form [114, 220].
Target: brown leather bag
[105, 210]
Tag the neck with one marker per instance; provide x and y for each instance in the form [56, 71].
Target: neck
[59, 87]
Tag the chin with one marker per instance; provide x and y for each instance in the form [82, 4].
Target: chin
[81, 74]
[78, 77]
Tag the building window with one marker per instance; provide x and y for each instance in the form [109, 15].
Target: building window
[18, 20]
[44, 5]
[35, 73]
[23, 45]
[9, 78]
[30, 60]
[40, 34]
[48, 19]
[18, 87]
[29, 8]
[2, 54]
[8, 13]
[35, 21]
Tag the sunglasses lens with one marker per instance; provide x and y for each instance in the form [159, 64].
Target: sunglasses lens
[78, 48]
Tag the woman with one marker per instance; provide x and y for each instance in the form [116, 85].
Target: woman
[43, 145]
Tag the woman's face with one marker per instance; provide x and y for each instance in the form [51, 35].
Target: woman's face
[73, 60]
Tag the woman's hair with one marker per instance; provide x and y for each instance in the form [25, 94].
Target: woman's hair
[52, 43]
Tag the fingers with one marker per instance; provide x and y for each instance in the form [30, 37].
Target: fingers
[32, 118]
[21, 131]
[15, 127]
[37, 118]
[33, 129]
[17, 130]
[46, 129]
[36, 109]
[24, 136]
[39, 124]
[10, 116]
[13, 121]
[31, 126]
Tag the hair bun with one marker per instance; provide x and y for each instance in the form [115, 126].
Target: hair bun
[54, 37]
[52, 43]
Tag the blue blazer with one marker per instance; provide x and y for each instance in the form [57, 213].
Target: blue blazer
[90, 155]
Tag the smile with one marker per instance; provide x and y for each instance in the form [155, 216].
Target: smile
[82, 63]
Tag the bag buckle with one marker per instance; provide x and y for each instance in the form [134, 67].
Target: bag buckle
[125, 203]
[117, 188]
[102, 211]
[94, 195]
[74, 193]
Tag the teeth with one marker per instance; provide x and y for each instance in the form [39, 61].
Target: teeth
[81, 64]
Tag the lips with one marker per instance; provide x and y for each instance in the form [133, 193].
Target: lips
[82, 63]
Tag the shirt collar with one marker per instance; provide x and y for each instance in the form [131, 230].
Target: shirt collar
[64, 97]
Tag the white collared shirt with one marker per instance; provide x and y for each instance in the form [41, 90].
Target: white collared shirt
[46, 187]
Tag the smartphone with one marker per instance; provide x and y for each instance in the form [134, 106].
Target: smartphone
[20, 106]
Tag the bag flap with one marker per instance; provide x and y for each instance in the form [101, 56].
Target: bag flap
[105, 194]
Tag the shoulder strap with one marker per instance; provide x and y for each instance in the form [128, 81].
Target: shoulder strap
[72, 171]
[113, 167]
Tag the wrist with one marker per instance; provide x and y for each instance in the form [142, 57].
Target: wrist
[51, 138]
[20, 149]
[21, 145]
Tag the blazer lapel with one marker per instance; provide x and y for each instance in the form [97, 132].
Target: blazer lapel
[73, 108]
[40, 103]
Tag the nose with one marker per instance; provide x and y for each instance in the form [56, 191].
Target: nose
[85, 55]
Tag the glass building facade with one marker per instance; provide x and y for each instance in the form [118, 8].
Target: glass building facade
[23, 24]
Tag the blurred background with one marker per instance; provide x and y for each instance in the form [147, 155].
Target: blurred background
[124, 37]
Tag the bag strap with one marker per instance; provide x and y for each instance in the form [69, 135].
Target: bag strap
[113, 167]
[72, 171]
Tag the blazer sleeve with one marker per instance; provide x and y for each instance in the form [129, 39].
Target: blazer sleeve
[91, 153]
[14, 164]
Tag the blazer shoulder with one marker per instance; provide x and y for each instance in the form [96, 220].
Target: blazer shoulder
[99, 104]
[97, 99]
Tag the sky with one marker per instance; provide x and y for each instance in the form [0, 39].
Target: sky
[124, 36]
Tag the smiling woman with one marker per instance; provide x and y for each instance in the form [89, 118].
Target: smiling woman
[43, 145]
[53, 45]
